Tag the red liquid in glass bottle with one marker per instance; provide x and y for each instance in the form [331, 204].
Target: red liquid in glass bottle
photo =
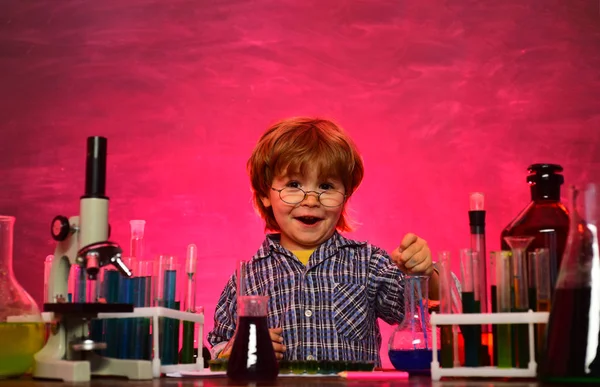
[545, 218]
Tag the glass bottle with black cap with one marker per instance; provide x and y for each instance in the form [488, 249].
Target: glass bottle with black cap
[545, 218]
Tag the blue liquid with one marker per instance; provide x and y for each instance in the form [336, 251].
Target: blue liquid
[169, 335]
[111, 295]
[139, 340]
[414, 361]
[148, 346]
[125, 326]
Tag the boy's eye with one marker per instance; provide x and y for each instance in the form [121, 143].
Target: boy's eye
[293, 184]
[326, 186]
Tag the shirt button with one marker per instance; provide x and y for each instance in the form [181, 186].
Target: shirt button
[308, 313]
[310, 357]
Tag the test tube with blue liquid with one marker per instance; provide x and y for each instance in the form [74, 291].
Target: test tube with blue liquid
[94, 295]
[126, 296]
[168, 269]
[137, 350]
[110, 290]
[141, 341]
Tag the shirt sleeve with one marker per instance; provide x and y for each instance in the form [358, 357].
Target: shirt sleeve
[389, 287]
[225, 316]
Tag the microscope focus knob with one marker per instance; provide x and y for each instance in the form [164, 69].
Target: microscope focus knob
[60, 228]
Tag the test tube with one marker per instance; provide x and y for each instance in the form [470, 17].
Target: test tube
[503, 303]
[241, 278]
[551, 243]
[47, 270]
[484, 357]
[477, 227]
[140, 344]
[470, 301]
[494, 305]
[77, 284]
[187, 350]
[95, 288]
[136, 251]
[520, 350]
[110, 285]
[136, 242]
[543, 274]
[125, 326]
[531, 280]
[446, 331]
[149, 284]
[543, 279]
[167, 289]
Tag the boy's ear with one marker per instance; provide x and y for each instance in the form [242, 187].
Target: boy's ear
[266, 201]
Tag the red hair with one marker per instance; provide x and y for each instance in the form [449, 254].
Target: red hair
[299, 144]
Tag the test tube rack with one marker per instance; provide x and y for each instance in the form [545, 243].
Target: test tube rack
[155, 313]
[530, 318]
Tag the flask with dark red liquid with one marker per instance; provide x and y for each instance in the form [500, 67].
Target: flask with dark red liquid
[573, 335]
[252, 356]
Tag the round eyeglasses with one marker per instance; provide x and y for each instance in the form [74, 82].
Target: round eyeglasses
[293, 195]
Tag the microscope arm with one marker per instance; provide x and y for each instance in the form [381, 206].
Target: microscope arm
[65, 255]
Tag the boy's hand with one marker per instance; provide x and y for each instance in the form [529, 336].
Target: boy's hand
[277, 340]
[413, 256]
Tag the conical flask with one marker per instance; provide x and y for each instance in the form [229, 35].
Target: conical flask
[252, 356]
[410, 346]
[22, 332]
[571, 353]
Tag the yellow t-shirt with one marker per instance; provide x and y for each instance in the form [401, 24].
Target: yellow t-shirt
[303, 255]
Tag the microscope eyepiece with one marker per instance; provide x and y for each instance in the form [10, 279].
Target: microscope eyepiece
[95, 167]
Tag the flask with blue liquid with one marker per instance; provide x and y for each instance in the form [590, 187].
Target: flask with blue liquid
[410, 346]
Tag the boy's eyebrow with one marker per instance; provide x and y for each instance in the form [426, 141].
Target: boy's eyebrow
[331, 178]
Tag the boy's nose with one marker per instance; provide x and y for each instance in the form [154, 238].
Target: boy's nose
[311, 198]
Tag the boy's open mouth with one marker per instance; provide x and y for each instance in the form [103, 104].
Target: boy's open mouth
[308, 219]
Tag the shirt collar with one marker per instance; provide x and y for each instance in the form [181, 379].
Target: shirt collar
[330, 247]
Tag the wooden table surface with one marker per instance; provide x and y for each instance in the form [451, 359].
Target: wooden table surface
[281, 381]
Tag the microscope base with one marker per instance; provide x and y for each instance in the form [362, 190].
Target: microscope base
[66, 370]
[94, 365]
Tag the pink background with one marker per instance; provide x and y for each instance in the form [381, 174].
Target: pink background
[442, 97]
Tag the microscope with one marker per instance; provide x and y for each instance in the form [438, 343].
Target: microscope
[69, 353]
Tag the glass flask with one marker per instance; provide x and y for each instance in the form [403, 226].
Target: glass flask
[252, 356]
[22, 331]
[545, 218]
[410, 346]
[571, 354]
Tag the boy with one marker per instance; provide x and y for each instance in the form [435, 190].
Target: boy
[326, 292]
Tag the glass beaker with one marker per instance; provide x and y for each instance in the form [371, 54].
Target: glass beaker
[410, 346]
[252, 356]
[22, 331]
[572, 339]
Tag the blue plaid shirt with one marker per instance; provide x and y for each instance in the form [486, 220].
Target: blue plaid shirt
[329, 308]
